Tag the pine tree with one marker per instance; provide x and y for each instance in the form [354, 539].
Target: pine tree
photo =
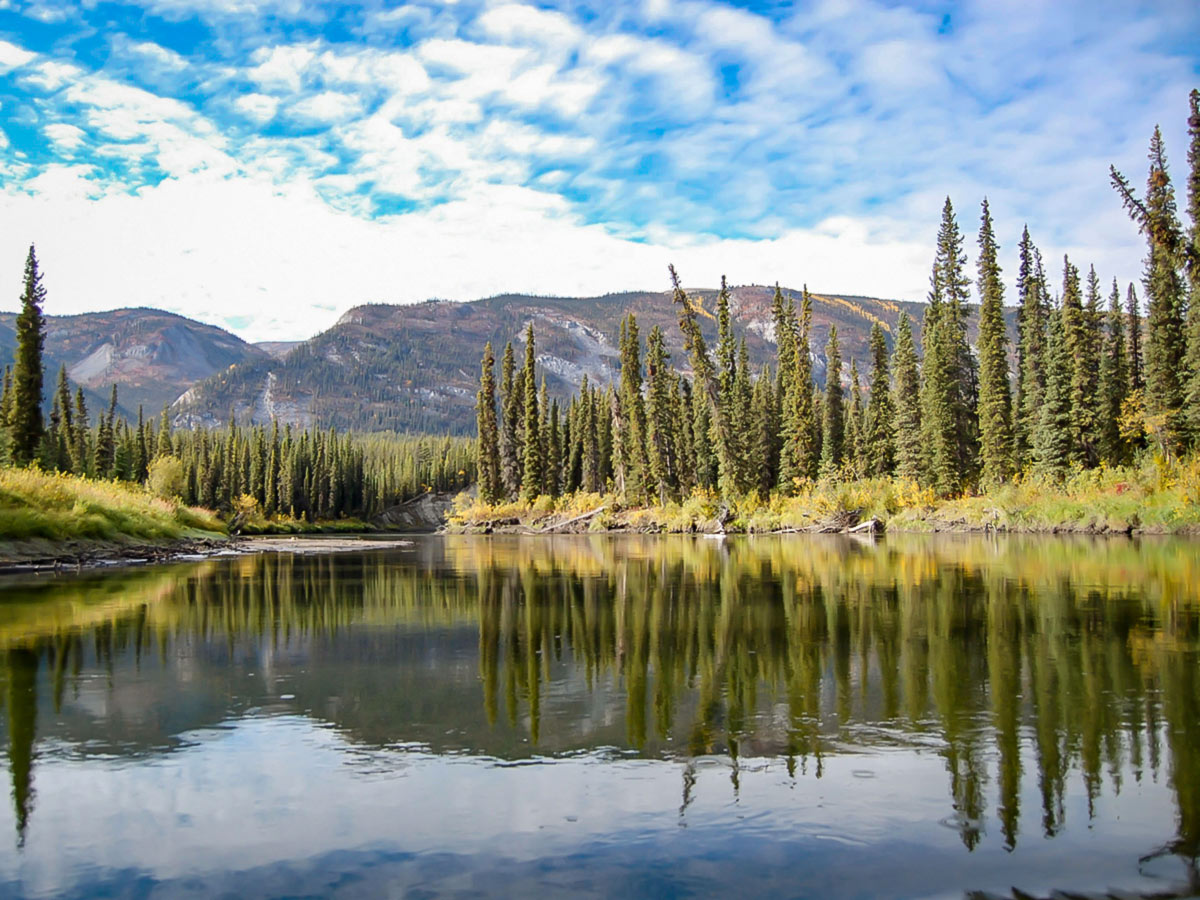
[531, 481]
[1165, 351]
[632, 461]
[879, 438]
[853, 449]
[764, 430]
[163, 445]
[995, 399]
[806, 418]
[81, 445]
[1137, 371]
[950, 387]
[1031, 340]
[833, 415]
[659, 416]
[510, 450]
[910, 452]
[727, 438]
[1114, 383]
[1191, 399]
[25, 423]
[786, 391]
[491, 488]
[1075, 345]
[1052, 440]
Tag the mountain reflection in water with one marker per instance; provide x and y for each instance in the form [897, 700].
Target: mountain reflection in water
[788, 694]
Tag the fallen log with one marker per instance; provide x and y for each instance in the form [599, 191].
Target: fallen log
[561, 525]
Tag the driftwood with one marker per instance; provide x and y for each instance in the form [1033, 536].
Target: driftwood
[561, 525]
[871, 526]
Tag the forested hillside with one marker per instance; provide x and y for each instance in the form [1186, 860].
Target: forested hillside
[413, 368]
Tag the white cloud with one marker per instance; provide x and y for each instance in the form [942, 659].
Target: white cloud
[281, 67]
[67, 137]
[327, 107]
[259, 107]
[51, 75]
[13, 57]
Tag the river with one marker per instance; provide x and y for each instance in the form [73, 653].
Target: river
[789, 716]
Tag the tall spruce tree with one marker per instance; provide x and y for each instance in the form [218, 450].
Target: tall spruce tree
[659, 416]
[995, 399]
[906, 398]
[490, 486]
[854, 449]
[633, 461]
[1133, 314]
[1031, 338]
[879, 439]
[833, 420]
[531, 481]
[1191, 398]
[1165, 348]
[807, 421]
[728, 440]
[511, 401]
[1075, 346]
[950, 388]
[1052, 440]
[25, 423]
[1114, 382]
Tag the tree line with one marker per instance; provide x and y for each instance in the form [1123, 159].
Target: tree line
[1092, 384]
[304, 474]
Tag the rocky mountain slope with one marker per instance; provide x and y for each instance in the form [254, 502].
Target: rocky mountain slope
[153, 356]
[416, 367]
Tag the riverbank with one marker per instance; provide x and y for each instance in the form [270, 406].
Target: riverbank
[1158, 497]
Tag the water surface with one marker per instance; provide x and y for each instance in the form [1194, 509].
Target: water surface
[791, 716]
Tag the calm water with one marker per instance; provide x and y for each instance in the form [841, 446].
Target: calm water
[786, 717]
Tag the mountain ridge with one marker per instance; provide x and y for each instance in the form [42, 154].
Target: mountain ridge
[415, 367]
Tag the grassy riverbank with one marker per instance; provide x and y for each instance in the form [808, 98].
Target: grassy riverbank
[1157, 497]
[36, 505]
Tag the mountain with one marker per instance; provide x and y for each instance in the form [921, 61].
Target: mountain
[152, 356]
[416, 367]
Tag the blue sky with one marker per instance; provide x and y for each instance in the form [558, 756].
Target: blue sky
[266, 164]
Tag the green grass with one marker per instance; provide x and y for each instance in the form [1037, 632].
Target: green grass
[38, 505]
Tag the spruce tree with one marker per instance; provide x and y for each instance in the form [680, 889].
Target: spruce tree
[995, 399]
[1133, 313]
[1165, 350]
[659, 416]
[510, 449]
[706, 458]
[764, 430]
[1114, 383]
[833, 415]
[939, 466]
[806, 422]
[1075, 346]
[1052, 440]
[1191, 255]
[25, 424]
[906, 398]
[531, 481]
[632, 460]
[949, 392]
[879, 438]
[728, 439]
[491, 488]
[786, 337]
[853, 448]
[163, 445]
[1031, 338]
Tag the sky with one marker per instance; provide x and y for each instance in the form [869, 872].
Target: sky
[264, 165]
